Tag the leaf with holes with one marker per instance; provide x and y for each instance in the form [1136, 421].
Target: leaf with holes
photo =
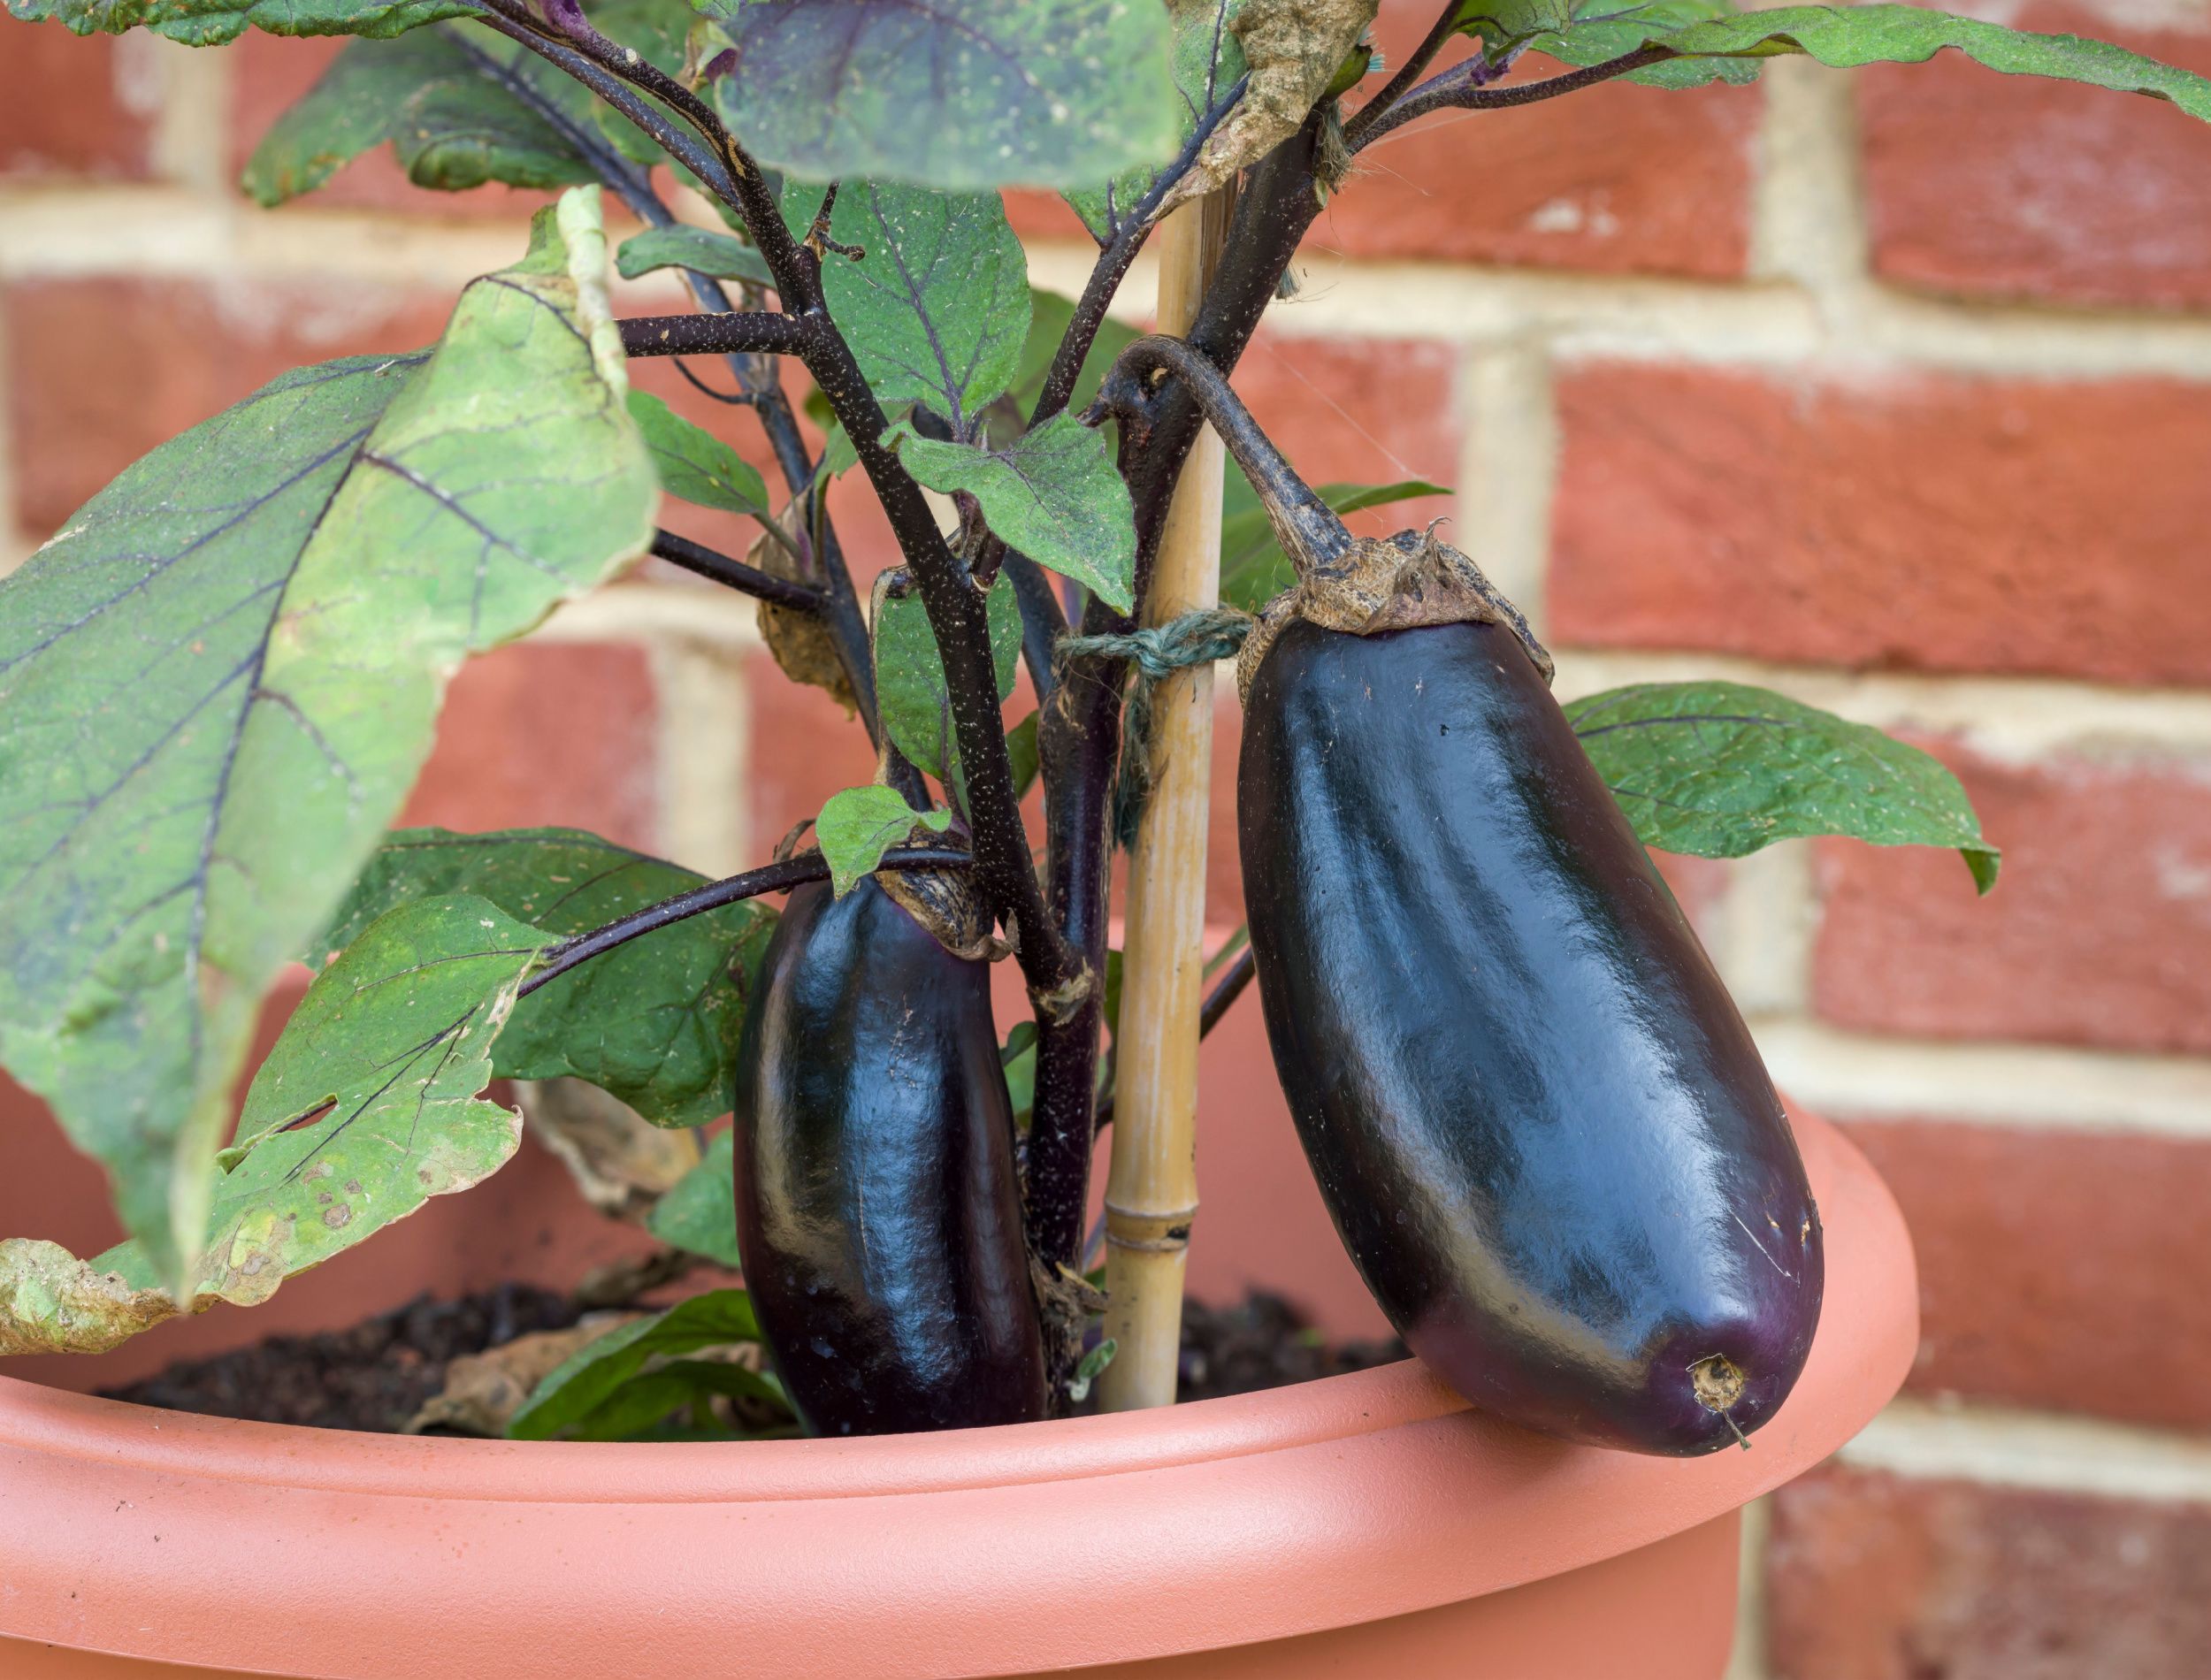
[699, 1215]
[937, 310]
[1053, 493]
[718, 257]
[956, 94]
[910, 686]
[694, 464]
[1253, 567]
[210, 23]
[218, 682]
[859, 825]
[366, 1108]
[654, 1022]
[1721, 770]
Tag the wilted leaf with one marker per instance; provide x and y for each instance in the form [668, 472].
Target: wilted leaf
[654, 1022]
[937, 309]
[1721, 770]
[621, 1162]
[955, 94]
[218, 682]
[859, 825]
[1207, 59]
[1053, 493]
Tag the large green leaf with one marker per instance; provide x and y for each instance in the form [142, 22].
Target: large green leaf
[937, 309]
[1205, 59]
[450, 126]
[1711, 45]
[655, 1021]
[1053, 493]
[210, 23]
[218, 682]
[694, 464]
[1720, 770]
[955, 94]
[910, 687]
[699, 1213]
[595, 1375]
[719, 256]
[366, 1108]
[1253, 567]
[859, 825]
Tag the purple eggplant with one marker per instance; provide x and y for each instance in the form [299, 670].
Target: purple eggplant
[878, 1211]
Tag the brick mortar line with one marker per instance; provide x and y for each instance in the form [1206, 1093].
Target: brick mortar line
[2048, 1451]
[652, 611]
[2001, 1083]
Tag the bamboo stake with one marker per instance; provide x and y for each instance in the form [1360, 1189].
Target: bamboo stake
[1151, 1188]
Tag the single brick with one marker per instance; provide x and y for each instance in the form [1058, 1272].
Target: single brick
[1929, 522]
[2061, 1271]
[2013, 187]
[1618, 179]
[547, 733]
[68, 107]
[102, 371]
[2099, 933]
[1872, 1576]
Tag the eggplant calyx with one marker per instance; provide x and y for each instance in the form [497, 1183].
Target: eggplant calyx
[950, 907]
[1379, 584]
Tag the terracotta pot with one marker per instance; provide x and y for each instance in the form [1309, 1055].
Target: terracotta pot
[1367, 1524]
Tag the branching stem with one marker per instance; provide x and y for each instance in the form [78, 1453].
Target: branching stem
[1459, 88]
[735, 573]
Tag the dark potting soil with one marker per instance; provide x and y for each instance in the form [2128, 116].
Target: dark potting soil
[377, 1374]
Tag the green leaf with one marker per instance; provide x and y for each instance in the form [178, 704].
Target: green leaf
[699, 1214]
[859, 825]
[1234, 942]
[1092, 1366]
[937, 309]
[1721, 770]
[1849, 36]
[911, 691]
[593, 1374]
[955, 94]
[1021, 750]
[366, 1108]
[1205, 60]
[1053, 493]
[694, 464]
[654, 1022]
[1049, 314]
[1253, 567]
[210, 23]
[1018, 1058]
[638, 1410]
[450, 126]
[718, 257]
[218, 682]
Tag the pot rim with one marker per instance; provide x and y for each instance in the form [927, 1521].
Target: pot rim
[978, 1552]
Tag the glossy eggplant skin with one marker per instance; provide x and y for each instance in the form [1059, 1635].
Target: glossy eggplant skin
[877, 1212]
[1534, 1110]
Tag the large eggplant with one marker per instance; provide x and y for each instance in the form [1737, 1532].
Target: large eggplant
[1536, 1116]
[878, 1211]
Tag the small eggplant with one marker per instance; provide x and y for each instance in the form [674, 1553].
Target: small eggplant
[1536, 1116]
[877, 1212]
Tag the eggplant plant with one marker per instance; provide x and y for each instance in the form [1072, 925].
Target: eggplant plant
[1538, 1120]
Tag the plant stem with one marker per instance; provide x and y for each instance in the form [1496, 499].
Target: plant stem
[735, 573]
[1456, 88]
[742, 332]
[774, 877]
[1442, 29]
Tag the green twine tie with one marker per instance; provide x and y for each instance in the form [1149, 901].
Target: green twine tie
[1195, 638]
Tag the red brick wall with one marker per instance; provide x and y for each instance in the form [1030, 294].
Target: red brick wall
[1892, 391]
